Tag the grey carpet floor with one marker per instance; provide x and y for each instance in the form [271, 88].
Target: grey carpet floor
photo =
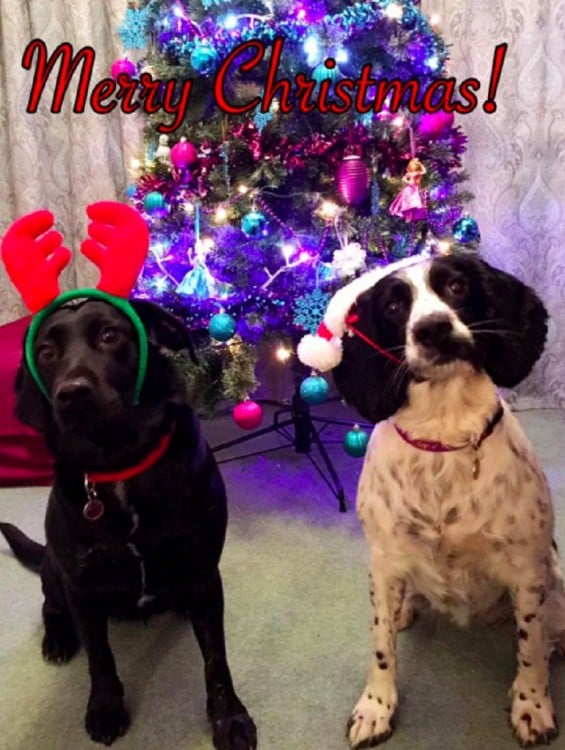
[297, 621]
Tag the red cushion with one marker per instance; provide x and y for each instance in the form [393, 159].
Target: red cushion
[24, 457]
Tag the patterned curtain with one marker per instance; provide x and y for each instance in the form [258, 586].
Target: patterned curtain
[516, 156]
[58, 161]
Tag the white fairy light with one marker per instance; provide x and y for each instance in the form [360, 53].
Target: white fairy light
[394, 11]
[288, 251]
[329, 210]
[221, 214]
[283, 353]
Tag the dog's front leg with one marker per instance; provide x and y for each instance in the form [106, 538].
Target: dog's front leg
[371, 720]
[532, 715]
[232, 726]
[106, 716]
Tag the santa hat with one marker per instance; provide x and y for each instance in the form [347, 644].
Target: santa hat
[322, 351]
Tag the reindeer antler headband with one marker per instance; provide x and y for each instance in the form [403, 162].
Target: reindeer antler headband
[34, 258]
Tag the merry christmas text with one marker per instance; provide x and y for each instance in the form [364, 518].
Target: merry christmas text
[364, 94]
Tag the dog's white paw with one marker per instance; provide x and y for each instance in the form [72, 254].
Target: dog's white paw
[370, 722]
[533, 719]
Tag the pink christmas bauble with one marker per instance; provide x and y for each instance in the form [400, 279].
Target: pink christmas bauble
[434, 124]
[353, 180]
[248, 415]
[183, 154]
[122, 66]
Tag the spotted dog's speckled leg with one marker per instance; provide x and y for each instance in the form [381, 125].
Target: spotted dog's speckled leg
[532, 716]
[371, 720]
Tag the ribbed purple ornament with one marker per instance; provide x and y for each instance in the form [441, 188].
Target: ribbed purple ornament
[353, 179]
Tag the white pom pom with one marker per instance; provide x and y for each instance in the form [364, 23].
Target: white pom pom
[319, 353]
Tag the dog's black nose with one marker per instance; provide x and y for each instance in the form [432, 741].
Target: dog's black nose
[73, 392]
[432, 330]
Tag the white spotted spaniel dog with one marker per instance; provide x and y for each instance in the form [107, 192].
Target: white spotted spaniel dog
[453, 502]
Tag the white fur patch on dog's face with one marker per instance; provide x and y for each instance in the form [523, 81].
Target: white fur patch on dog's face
[425, 350]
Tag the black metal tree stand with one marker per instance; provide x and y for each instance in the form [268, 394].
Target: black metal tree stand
[302, 430]
[303, 436]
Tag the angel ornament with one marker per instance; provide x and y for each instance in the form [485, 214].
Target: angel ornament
[410, 203]
[163, 153]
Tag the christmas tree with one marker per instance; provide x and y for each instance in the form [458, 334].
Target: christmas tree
[256, 217]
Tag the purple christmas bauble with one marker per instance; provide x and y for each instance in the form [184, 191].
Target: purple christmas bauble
[122, 66]
[183, 154]
[353, 179]
[434, 124]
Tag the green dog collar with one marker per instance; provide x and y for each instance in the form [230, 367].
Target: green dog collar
[123, 305]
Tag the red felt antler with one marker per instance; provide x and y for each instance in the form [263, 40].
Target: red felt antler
[34, 257]
[118, 245]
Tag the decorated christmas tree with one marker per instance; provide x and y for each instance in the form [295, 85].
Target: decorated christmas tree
[258, 213]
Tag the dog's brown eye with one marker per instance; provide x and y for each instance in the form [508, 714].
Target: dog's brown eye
[109, 336]
[457, 287]
[392, 308]
[46, 353]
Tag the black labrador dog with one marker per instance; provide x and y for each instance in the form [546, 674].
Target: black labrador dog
[133, 547]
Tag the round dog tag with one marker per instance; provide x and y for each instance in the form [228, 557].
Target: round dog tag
[93, 510]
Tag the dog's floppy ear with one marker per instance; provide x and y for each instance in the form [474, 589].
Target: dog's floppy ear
[367, 380]
[163, 329]
[518, 321]
[32, 408]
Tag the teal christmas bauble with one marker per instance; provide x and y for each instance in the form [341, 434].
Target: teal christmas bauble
[322, 73]
[254, 224]
[131, 190]
[355, 442]
[154, 203]
[326, 272]
[466, 230]
[314, 390]
[221, 327]
[203, 58]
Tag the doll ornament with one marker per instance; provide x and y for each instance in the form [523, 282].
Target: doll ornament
[199, 281]
[410, 204]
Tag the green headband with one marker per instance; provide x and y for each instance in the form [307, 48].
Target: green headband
[123, 305]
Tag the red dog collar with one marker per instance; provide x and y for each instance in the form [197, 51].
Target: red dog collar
[94, 507]
[435, 446]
